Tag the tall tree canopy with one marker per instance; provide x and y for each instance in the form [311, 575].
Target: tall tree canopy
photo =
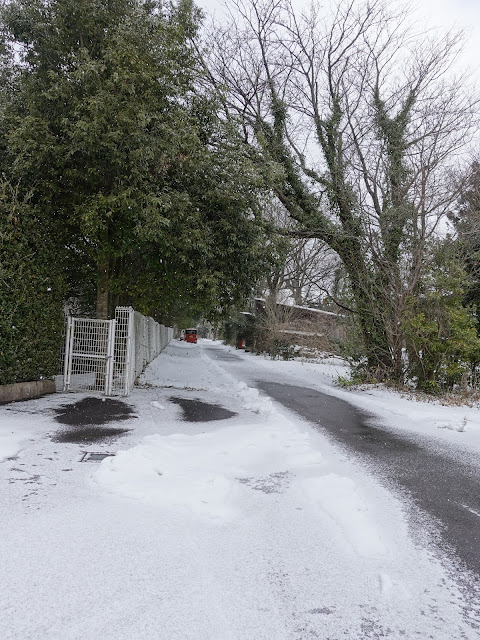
[126, 157]
[357, 117]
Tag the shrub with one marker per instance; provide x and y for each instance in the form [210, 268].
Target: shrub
[440, 335]
[31, 294]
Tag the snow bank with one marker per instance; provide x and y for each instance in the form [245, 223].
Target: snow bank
[157, 405]
[456, 425]
[252, 400]
[206, 473]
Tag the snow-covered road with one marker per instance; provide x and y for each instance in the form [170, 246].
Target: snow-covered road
[247, 528]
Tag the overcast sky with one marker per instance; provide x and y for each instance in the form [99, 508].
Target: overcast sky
[464, 14]
[456, 13]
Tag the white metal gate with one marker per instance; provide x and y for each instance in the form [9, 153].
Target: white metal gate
[109, 355]
[89, 351]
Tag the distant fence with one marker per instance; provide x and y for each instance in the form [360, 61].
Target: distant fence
[300, 326]
[108, 355]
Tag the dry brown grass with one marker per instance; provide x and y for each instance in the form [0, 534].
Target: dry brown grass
[457, 398]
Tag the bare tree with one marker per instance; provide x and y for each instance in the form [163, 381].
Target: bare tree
[305, 268]
[356, 118]
[310, 271]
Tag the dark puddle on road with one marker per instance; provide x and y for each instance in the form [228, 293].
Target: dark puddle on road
[93, 411]
[93, 434]
[84, 416]
[198, 411]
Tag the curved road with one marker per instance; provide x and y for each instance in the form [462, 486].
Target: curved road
[434, 479]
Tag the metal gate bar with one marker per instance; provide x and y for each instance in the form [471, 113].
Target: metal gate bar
[108, 355]
[89, 355]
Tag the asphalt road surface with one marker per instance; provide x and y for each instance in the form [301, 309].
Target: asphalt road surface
[442, 485]
[434, 480]
[217, 353]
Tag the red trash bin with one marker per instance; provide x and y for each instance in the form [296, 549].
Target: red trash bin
[191, 335]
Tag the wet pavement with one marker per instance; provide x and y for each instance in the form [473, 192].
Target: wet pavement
[198, 411]
[93, 411]
[221, 354]
[90, 434]
[84, 416]
[439, 482]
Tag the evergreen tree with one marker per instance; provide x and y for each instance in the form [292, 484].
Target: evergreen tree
[442, 344]
[124, 154]
[466, 220]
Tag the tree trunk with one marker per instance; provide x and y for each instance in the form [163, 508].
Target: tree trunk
[379, 359]
[297, 294]
[375, 335]
[102, 290]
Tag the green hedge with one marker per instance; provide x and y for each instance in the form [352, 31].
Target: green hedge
[31, 294]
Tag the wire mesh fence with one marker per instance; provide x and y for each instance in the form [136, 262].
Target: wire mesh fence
[87, 359]
[109, 355]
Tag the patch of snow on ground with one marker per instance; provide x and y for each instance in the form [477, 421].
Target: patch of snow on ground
[204, 473]
[157, 405]
[13, 434]
[342, 500]
[252, 400]
[182, 367]
[251, 528]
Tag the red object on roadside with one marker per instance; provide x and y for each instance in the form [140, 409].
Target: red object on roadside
[191, 335]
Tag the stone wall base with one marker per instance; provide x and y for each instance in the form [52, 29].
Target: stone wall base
[25, 390]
